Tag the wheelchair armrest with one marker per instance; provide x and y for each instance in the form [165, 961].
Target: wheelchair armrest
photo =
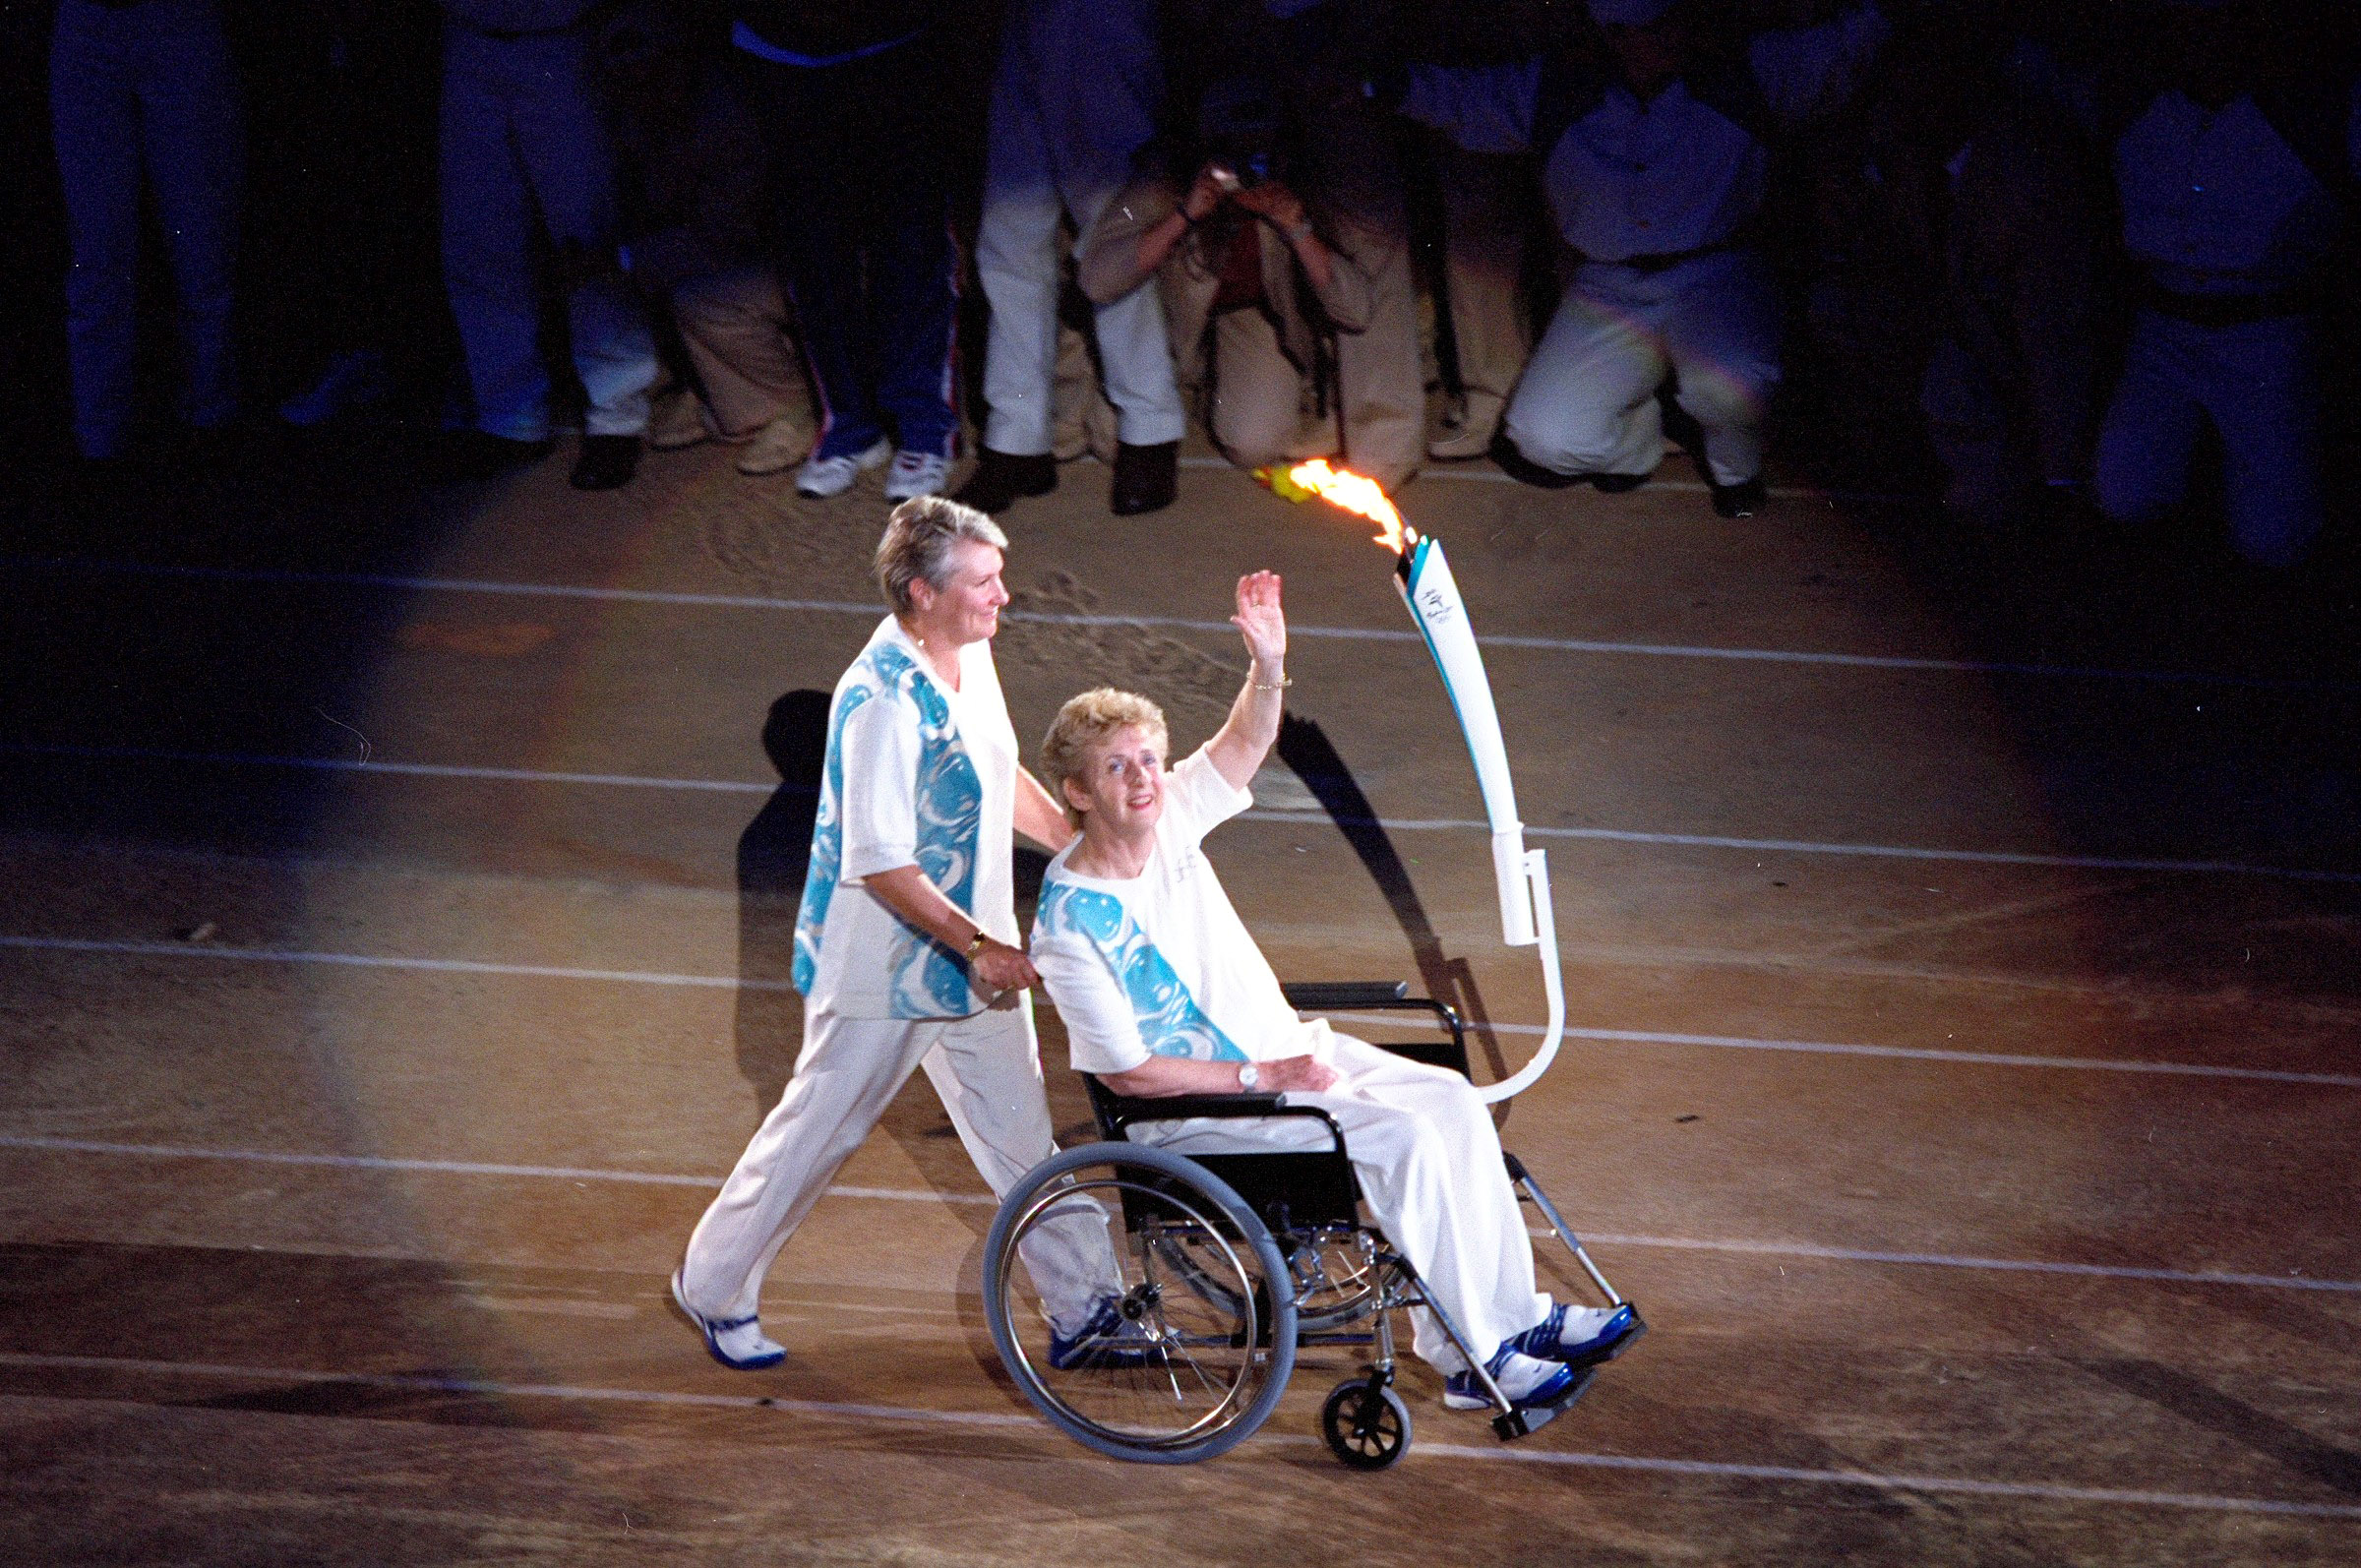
[1122, 1111]
[1324, 996]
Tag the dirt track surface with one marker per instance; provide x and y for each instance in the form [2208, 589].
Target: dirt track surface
[1962, 1073]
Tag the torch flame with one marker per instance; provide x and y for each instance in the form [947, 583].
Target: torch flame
[1341, 487]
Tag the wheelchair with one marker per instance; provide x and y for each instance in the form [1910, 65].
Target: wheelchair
[1230, 1264]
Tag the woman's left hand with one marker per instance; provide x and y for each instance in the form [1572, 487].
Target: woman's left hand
[1261, 622]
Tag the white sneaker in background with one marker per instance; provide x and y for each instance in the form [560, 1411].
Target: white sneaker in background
[915, 474]
[823, 477]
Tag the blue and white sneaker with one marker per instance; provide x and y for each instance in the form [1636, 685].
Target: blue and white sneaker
[737, 1343]
[1582, 1336]
[1527, 1380]
[1108, 1340]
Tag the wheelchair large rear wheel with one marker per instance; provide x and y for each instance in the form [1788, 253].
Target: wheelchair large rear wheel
[1207, 1321]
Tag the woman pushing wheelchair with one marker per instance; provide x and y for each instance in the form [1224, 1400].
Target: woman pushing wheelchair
[1164, 993]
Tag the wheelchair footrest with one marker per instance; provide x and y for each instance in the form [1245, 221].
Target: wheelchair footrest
[1525, 1422]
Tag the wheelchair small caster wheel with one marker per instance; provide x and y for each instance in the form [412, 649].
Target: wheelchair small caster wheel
[1366, 1423]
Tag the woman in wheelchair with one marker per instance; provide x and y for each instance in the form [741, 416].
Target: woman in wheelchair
[1163, 992]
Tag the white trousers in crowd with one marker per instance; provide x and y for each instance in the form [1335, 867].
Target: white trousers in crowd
[986, 1069]
[1587, 402]
[522, 146]
[145, 93]
[1062, 125]
[2255, 383]
[1430, 1174]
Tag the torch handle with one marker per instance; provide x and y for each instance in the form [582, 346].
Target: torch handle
[1536, 870]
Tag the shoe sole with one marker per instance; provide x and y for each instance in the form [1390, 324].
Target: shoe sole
[1599, 1358]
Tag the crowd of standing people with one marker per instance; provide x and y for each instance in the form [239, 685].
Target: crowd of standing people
[2051, 260]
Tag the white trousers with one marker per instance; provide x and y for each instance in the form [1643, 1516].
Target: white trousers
[986, 1069]
[1587, 402]
[522, 148]
[2256, 383]
[1049, 156]
[1432, 1177]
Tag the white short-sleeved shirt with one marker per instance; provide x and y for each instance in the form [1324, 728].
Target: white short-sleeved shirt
[916, 774]
[1160, 964]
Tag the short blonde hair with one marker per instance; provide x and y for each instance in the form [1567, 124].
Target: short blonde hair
[918, 542]
[1084, 725]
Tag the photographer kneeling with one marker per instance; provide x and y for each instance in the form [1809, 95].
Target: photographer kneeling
[1250, 277]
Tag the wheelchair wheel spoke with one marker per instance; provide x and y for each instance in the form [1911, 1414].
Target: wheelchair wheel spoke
[1182, 1358]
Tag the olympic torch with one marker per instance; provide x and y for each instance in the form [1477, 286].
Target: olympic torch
[1423, 576]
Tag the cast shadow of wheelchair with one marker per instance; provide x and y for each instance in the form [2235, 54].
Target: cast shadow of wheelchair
[774, 851]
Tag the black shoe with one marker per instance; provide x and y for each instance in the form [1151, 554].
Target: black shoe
[480, 454]
[1618, 484]
[1004, 478]
[1146, 479]
[1741, 500]
[1525, 470]
[607, 462]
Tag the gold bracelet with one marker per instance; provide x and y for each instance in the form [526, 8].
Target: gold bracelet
[976, 943]
[1279, 685]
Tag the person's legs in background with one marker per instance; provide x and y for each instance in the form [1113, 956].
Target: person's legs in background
[1017, 261]
[2150, 435]
[487, 249]
[737, 332]
[913, 296]
[1255, 394]
[1136, 352]
[555, 126]
[1719, 322]
[94, 120]
[1485, 198]
[1586, 404]
[194, 154]
[1352, 164]
[2261, 386]
[811, 144]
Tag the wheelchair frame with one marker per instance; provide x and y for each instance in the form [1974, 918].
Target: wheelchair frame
[1296, 1213]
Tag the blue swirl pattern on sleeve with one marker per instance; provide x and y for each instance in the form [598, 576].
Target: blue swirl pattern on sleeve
[1169, 1021]
[926, 978]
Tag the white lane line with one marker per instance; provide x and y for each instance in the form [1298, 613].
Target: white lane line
[336, 764]
[419, 1383]
[1969, 1059]
[1957, 1486]
[1951, 1260]
[472, 1168]
[463, 966]
[1798, 846]
[1576, 645]
[441, 966]
[1796, 1249]
[1311, 818]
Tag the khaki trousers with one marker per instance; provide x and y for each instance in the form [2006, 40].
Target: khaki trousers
[736, 327]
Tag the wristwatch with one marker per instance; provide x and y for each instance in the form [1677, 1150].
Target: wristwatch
[1248, 1078]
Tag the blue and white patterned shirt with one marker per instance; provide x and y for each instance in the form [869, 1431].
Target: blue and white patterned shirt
[1160, 964]
[916, 774]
